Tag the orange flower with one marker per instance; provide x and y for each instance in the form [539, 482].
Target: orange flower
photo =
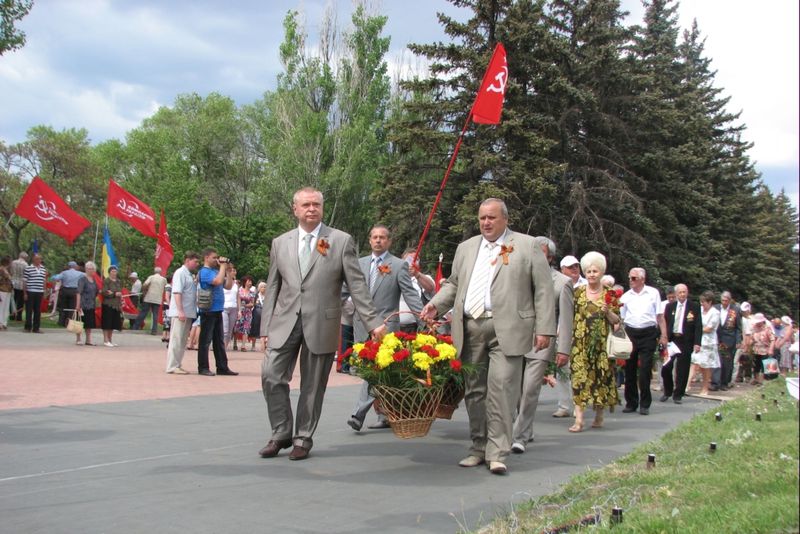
[323, 246]
[505, 251]
[384, 270]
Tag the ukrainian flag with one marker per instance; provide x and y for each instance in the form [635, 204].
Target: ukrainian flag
[109, 258]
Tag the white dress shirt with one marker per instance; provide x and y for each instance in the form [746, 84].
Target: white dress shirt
[641, 310]
[302, 236]
[487, 254]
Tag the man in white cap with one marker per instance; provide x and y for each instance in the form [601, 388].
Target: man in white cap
[743, 361]
[136, 289]
[571, 267]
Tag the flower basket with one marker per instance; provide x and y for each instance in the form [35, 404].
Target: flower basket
[452, 395]
[410, 411]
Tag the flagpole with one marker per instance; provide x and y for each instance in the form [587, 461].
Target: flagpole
[441, 187]
[94, 251]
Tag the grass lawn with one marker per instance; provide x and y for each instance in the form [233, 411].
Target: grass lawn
[750, 484]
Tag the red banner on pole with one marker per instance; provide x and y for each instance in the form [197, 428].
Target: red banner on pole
[439, 275]
[42, 206]
[164, 251]
[127, 208]
[489, 103]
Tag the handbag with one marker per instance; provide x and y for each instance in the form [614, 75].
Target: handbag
[75, 325]
[618, 344]
[204, 298]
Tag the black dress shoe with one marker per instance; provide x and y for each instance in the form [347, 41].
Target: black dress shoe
[273, 447]
[205, 372]
[226, 372]
[355, 423]
[644, 411]
[714, 388]
[664, 398]
[299, 453]
[628, 409]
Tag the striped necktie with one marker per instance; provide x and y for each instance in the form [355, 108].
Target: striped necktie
[373, 272]
[477, 286]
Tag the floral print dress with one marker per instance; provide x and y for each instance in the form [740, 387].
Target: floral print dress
[592, 372]
[245, 320]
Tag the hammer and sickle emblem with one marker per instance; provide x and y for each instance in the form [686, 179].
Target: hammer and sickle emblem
[500, 78]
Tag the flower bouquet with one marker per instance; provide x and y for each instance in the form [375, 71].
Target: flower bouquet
[407, 374]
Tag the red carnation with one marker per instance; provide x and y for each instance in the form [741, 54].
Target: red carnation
[455, 365]
[401, 355]
[445, 338]
[618, 292]
[609, 298]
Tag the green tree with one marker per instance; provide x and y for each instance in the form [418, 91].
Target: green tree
[11, 12]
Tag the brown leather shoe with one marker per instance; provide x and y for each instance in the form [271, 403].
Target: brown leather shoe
[274, 447]
[299, 453]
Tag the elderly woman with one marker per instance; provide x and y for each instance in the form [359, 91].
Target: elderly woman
[592, 371]
[112, 305]
[763, 342]
[707, 358]
[255, 325]
[85, 302]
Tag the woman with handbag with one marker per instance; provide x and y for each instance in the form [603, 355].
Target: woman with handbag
[85, 302]
[591, 369]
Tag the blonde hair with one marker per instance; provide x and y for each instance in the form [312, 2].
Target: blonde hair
[593, 259]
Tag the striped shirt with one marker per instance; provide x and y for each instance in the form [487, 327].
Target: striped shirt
[35, 278]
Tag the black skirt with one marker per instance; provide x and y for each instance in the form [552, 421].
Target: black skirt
[89, 319]
[255, 324]
[112, 319]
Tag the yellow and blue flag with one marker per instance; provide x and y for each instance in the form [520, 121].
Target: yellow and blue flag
[109, 258]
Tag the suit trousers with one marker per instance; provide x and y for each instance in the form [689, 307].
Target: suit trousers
[211, 335]
[364, 403]
[564, 390]
[639, 368]
[276, 373]
[723, 375]
[19, 300]
[492, 393]
[532, 376]
[679, 365]
[33, 311]
[178, 335]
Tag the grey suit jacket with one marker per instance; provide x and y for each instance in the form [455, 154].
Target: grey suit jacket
[522, 294]
[316, 299]
[564, 297]
[386, 293]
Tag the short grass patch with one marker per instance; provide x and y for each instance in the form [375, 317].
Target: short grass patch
[750, 484]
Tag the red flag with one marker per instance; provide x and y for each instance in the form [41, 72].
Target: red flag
[164, 252]
[489, 103]
[127, 208]
[42, 206]
[127, 305]
[439, 274]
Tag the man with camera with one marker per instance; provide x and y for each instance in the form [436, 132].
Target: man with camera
[216, 274]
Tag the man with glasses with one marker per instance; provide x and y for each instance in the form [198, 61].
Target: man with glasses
[644, 322]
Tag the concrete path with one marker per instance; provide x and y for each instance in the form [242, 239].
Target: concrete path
[101, 440]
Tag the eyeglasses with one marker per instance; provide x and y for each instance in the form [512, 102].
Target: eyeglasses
[634, 278]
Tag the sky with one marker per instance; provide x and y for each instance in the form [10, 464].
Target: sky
[105, 65]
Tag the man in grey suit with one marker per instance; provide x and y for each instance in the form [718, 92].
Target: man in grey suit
[388, 278]
[301, 317]
[501, 293]
[537, 361]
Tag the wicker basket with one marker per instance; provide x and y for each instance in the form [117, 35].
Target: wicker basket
[452, 394]
[410, 412]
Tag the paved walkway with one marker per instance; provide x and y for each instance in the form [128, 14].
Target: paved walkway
[94, 439]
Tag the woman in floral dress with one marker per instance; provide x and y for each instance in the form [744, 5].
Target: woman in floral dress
[242, 327]
[592, 372]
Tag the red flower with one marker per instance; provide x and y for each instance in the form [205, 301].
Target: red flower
[403, 336]
[455, 365]
[368, 355]
[609, 297]
[401, 355]
[347, 353]
[430, 351]
[445, 338]
[618, 292]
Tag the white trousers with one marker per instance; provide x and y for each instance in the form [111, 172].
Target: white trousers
[178, 336]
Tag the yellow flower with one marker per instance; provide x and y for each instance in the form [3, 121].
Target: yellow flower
[390, 341]
[421, 360]
[424, 339]
[358, 347]
[446, 351]
[384, 358]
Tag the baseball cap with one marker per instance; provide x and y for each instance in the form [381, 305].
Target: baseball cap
[133, 275]
[745, 307]
[569, 261]
[786, 319]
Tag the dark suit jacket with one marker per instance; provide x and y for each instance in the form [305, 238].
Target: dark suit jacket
[692, 324]
[729, 331]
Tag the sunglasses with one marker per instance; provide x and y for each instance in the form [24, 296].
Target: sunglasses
[634, 278]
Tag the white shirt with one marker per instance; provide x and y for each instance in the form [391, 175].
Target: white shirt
[230, 295]
[581, 282]
[640, 310]
[489, 255]
[680, 311]
[183, 285]
[302, 236]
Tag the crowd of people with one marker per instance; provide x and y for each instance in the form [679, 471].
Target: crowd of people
[517, 318]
